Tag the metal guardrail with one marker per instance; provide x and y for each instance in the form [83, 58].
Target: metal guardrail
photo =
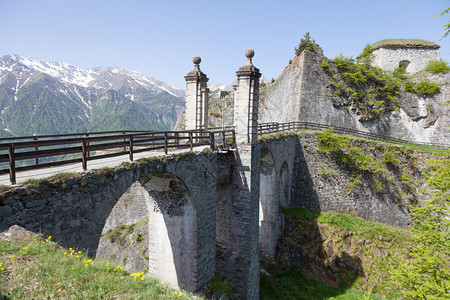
[83, 146]
[273, 127]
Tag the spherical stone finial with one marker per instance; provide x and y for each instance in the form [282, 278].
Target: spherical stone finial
[197, 60]
[249, 53]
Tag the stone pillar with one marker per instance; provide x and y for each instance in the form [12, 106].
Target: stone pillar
[246, 101]
[196, 97]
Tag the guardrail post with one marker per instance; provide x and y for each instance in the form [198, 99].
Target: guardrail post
[12, 164]
[165, 143]
[177, 141]
[36, 159]
[125, 147]
[87, 144]
[191, 140]
[211, 141]
[223, 138]
[131, 147]
[84, 154]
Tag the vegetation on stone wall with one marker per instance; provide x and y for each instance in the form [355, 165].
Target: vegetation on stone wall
[438, 66]
[425, 87]
[405, 43]
[384, 173]
[366, 89]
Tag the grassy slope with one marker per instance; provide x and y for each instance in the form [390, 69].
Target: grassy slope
[331, 244]
[33, 268]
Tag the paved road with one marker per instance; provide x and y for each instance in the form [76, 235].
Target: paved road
[92, 165]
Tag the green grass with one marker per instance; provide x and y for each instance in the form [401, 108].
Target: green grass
[290, 283]
[32, 268]
[403, 42]
[375, 247]
[359, 225]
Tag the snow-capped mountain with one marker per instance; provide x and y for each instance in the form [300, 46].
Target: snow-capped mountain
[39, 97]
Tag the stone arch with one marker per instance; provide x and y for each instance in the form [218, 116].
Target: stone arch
[160, 208]
[268, 203]
[284, 186]
[404, 64]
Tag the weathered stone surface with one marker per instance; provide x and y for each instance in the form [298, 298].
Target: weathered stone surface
[415, 58]
[5, 211]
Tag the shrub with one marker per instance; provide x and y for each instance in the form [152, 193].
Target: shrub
[423, 88]
[400, 73]
[366, 89]
[427, 88]
[437, 66]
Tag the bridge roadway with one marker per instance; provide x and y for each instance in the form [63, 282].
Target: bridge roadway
[92, 165]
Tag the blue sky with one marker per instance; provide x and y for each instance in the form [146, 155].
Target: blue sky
[159, 38]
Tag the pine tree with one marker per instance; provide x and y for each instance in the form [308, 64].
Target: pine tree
[426, 274]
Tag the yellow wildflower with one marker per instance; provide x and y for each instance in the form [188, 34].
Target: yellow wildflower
[25, 248]
[162, 282]
[49, 237]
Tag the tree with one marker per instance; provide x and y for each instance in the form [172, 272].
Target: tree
[366, 57]
[446, 26]
[426, 273]
[306, 43]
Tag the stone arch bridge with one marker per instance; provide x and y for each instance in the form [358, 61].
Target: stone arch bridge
[206, 211]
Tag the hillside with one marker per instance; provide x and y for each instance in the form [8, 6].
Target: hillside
[323, 255]
[33, 267]
[50, 98]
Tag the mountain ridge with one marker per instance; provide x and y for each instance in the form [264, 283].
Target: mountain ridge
[38, 97]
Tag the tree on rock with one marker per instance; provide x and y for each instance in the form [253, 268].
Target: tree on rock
[306, 43]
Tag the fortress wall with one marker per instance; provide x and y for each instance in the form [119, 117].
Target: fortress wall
[301, 93]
